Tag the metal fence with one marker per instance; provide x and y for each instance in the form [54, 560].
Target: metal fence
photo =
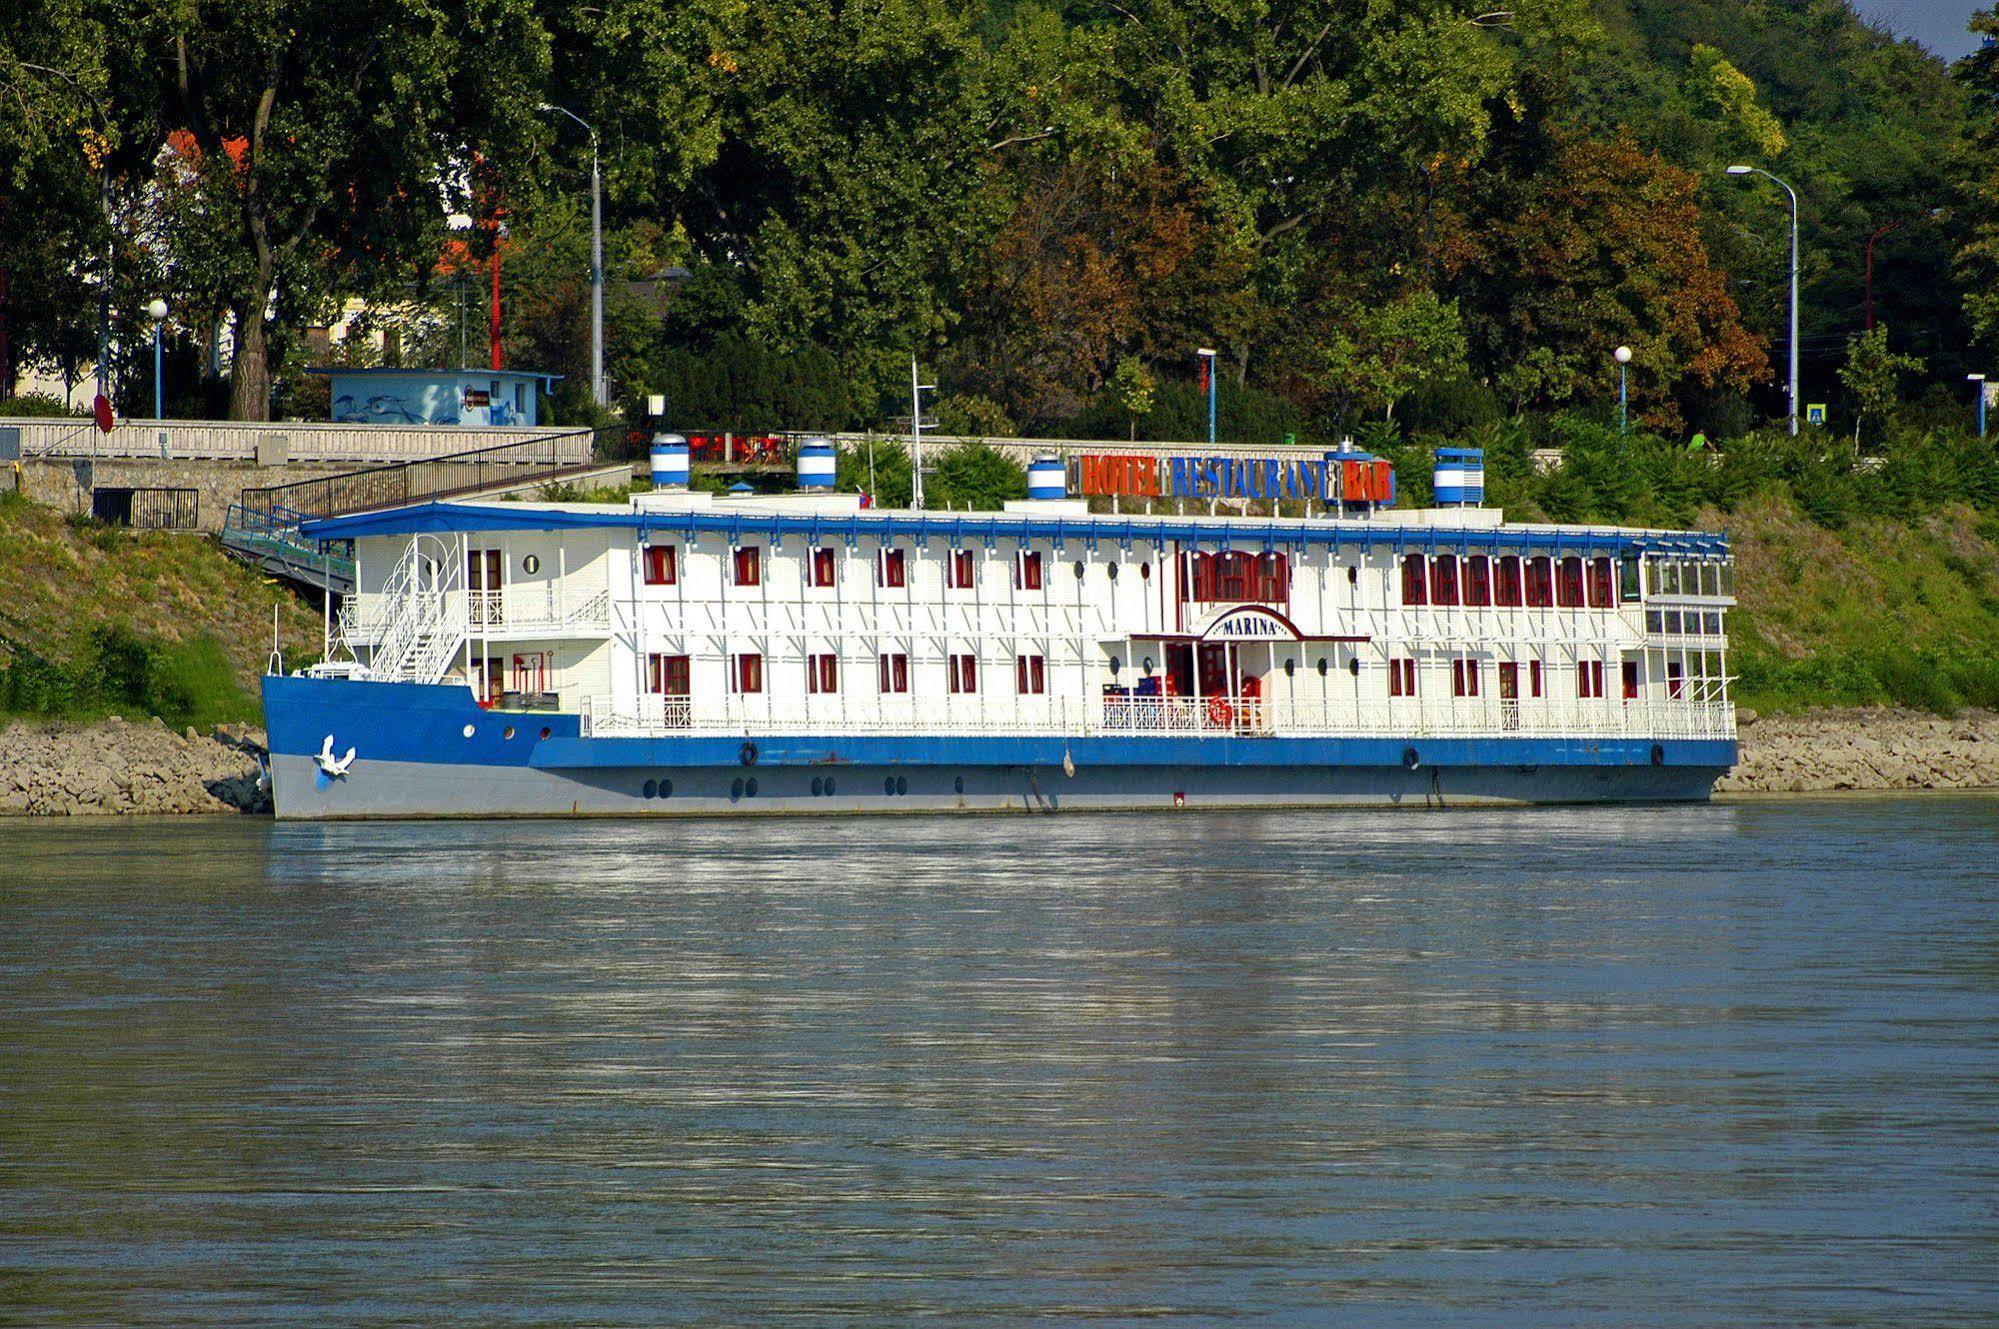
[546, 459]
[147, 509]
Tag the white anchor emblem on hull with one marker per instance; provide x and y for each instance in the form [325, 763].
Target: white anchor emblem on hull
[328, 763]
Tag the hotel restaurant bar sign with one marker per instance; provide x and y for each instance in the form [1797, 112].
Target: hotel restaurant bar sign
[1335, 477]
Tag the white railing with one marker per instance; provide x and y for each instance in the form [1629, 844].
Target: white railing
[364, 620]
[304, 440]
[1249, 718]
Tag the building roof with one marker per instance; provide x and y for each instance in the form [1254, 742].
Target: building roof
[1091, 530]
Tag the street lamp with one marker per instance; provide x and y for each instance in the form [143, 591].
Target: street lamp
[1623, 357]
[1207, 358]
[1757, 170]
[596, 257]
[1979, 379]
[157, 311]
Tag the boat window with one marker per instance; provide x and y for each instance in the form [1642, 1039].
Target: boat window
[1540, 582]
[1478, 581]
[750, 672]
[749, 565]
[1506, 582]
[1444, 579]
[1414, 585]
[894, 672]
[825, 566]
[822, 672]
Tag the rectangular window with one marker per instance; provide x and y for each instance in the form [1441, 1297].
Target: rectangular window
[1676, 678]
[1027, 570]
[824, 567]
[749, 566]
[895, 673]
[1589, 678]
[892, 568]
[959, 570]
[661, 565]
[1444, 579]
[1401, 678]
[1030, 674]
[1232, 575]
[822, 672]
[1414, 589]
[667, 675]
[1533, 678]
[963, 671]
[1627, 579]
[1464, 678]
[1506, 581]
[1478, 581]
[1569, 583]
[749, 673]
[1540, 583]
[1602, 585]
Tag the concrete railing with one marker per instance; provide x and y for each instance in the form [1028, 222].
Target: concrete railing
[277, 441]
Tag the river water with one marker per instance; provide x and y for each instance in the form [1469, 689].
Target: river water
[1681, 1066]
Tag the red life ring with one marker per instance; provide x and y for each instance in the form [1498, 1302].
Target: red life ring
[1220, 714]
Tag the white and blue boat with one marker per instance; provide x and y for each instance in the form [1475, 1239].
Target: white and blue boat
[689, 653]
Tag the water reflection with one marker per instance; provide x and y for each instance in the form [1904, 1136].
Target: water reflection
[1418, 1067]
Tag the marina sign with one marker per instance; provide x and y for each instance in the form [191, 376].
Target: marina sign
[1331, 478]
[1249, 623]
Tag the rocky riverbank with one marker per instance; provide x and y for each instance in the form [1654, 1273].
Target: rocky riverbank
[1864, 748]
[132, 767]
[143, 767]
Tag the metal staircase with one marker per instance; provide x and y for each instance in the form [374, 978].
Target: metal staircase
[423, 626]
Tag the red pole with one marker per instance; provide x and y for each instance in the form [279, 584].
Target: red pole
[496, 302]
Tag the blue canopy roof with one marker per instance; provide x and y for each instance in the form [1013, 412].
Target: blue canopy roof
[1090, 530]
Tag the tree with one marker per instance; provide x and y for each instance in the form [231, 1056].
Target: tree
[1374, 355]
[326, 144]
[1873, 375]
[1131, 387]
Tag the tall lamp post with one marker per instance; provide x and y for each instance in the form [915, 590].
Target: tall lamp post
[157, 311]
[1207, 358]
[1758, 170]
[596, 257]
[1623, 357]
[1978, 382]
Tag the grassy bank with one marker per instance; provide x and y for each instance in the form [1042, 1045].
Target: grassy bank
[97, 621]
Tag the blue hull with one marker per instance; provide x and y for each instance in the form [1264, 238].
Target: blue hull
[430, 751]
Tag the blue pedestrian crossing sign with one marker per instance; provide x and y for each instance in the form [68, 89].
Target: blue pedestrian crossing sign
[1815, 413]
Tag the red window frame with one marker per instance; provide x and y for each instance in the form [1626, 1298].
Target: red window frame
[1231, 576]
[893, 672]
[1506, 581]
[1540, 582]
[749, 672]
[1415, 580]
[1402, 678]
[1602, 585]
[1464, 678]
[825, 567]
[892, 568]
[1589, 679]
[1444, 580]
[662, 565]
[1030, 674]
[749, 563]
[1676, 679]
[1569, 583]
[963, 672]
[1478, 581]
[668, 675]
[1534, 678]
[960, 571]
[1027, 570]
[822, 672]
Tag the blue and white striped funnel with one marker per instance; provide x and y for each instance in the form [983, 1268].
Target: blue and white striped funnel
[669, 461]
[1047, 477]
[1459, 478]
[817, 463]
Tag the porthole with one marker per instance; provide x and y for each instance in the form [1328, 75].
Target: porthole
[650, 789]
[888, 786]
[545, 731]
[1324, 665]
[735, 789]
[1145, 570]
[666, 789]
[1110, 570]
[1116, 664]
[1290, 669]
[750, 787]
[818, 786]
[958, 785]
[901, 785]
[829, 786]
[508, 733]
[468, 731]
[1353, 666]
[1148, 666]
[1353, 574]
[1079, 572]
[531, 564]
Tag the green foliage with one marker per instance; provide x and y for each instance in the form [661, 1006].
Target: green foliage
[121, 671]
[1374, 355]
[970, 415]
[974, 476]
[1132, 388]
[876, 467]
[739, 384]
[1873, 373]
[39, 404]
